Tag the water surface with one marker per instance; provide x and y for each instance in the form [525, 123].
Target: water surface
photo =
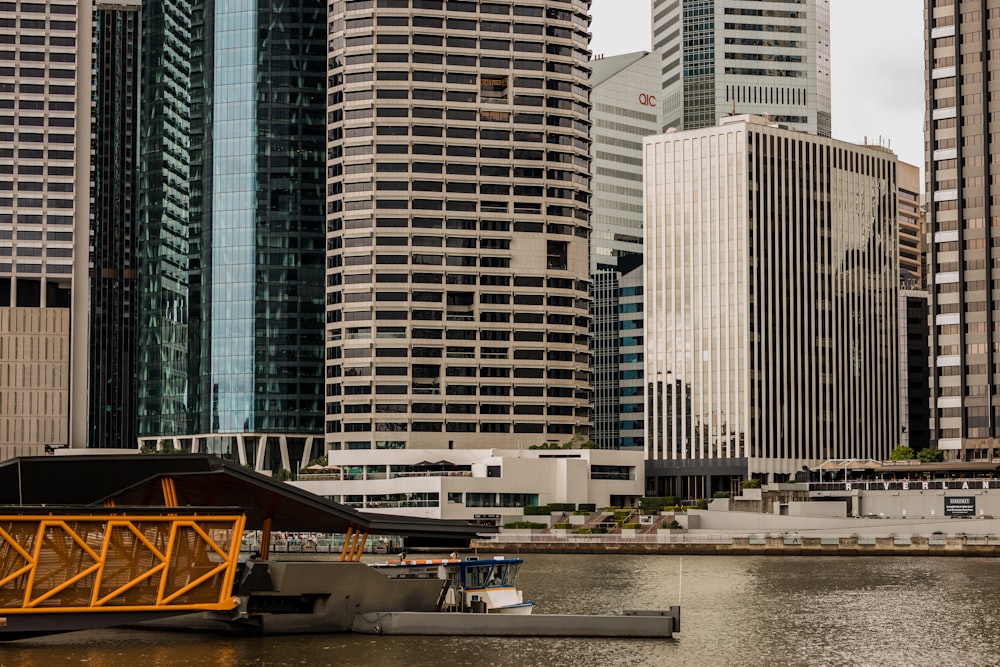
[736, 610]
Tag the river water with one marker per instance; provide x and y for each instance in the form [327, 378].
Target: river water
[736, 610]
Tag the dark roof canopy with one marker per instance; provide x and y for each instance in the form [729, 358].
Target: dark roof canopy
[200, 480]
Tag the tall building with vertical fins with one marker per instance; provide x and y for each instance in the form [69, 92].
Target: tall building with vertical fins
[721, 57]
[114, 279]
[458, 217]
[233, 166]
[963, 216]
[44, 204]
[771, 298]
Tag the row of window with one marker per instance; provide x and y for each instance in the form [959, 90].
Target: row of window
[336, 315]
[38, 24]
[37, 40]
[493, 8]
[368, 41]
[23, 251]
[481, 44]
[451, 408]
[336, 426]
[39, 56]
[537, 391]
[421, 278]
[491, 169]
[33, 219]
[37, 154]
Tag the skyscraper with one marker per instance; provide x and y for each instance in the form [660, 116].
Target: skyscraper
[963, 221]
[458, 222]
[44, 156]
[232, 183]
[624, 99]
[772, 282]
[113, 285]
[719, 57]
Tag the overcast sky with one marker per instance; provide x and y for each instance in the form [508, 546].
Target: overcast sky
[877, 60]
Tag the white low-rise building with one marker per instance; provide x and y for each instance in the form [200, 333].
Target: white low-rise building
[476, 483]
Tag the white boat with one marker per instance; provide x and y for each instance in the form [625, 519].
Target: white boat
[477, 585]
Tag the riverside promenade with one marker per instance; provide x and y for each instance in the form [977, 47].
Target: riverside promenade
[707, 544]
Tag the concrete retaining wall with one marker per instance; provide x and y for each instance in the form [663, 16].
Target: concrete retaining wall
[768, 546]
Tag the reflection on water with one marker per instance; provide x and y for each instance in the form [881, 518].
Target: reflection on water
[736, 610]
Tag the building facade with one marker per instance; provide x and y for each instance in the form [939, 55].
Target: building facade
[114, 278]
[458, 217]
[617, 343]
[232, 180]
[963, 220]
[914, 370]
[912, 226]
[44, 156]
[771, 297]
[722, 57]
[624, 100]
[476, 483]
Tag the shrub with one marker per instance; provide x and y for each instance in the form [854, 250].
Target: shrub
[582, 531]
[524, 524]
[721, 494]
[702, 504]
[902, 453]
[653, 504]
[673, 525]
[562, 525]
[599, 530]
[587, 507]
[562, 507]
[632, 525]
[930, 455]
[536, 510]
[750, 484]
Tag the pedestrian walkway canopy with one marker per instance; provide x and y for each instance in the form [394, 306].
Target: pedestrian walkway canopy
[203, 480]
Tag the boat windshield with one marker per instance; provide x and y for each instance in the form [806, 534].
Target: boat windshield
[477, 576]
[491, 574]
[508, 573]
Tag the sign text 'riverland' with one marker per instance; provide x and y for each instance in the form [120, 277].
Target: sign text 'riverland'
[957, 485]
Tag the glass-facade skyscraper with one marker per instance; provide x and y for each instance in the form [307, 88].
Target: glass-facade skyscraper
[233, 181]
[114, 292]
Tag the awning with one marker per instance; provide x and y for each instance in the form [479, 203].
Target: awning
[201, 480]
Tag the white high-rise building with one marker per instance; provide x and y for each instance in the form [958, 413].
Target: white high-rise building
[771, 297]
[721, 57]
[45, 153]
[624, 101]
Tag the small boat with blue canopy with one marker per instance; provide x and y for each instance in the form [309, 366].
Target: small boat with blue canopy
[477, 585]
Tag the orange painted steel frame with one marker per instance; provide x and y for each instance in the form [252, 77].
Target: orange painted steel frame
[102, 563]
[354, 544]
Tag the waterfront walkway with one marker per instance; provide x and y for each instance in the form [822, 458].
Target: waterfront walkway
[784, 544]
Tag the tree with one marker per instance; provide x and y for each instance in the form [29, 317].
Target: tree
[930, 455]
[902, 453]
